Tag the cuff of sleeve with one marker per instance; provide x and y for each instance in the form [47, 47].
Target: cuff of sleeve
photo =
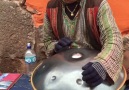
[101, 71]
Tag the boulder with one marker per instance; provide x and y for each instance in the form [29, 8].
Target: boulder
[16, 29]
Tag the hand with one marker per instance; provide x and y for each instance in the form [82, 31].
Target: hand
[93, 74]
[63, 44]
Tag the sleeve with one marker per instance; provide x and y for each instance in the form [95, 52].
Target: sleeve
[111, 55]
[47, 37]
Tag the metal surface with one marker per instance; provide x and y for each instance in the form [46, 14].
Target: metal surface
[63, 72]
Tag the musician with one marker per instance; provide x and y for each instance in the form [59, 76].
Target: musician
[85, 24]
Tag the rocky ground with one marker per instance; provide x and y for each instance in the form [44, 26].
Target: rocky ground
[16, 29]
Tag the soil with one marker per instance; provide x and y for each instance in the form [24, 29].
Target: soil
[8, 65]
[13, 65]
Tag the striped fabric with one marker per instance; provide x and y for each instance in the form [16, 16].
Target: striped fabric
[53, 20]
[111, 55]
[100, 70]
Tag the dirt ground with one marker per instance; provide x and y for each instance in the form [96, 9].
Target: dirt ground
[14, 65]
[8, 65]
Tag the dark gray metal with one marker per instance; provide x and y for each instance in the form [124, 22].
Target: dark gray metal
[63, 72]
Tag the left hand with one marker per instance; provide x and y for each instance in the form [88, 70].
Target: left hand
[63, 44]
[93, 74]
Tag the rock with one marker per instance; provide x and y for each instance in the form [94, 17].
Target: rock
[16, 29]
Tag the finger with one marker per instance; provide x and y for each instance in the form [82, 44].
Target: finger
[87, 66]
[96, 83]
[88, 71]
[58, 47]
[67, 40]
[62, 43]
[88, 76]
[93, 80]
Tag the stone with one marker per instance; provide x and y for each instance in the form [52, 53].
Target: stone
[16, 29]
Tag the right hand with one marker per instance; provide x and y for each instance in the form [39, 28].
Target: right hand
[63, 44]
[93, 74]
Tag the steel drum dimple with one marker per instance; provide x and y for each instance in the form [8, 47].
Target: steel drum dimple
[79, 81]
[53, 78]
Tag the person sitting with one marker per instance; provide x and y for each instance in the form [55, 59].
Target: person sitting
[85, 24]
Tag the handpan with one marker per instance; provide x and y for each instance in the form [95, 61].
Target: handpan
[63, 72]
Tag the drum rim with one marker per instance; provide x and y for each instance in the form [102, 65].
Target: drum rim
[33, 86]
[125, 74]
